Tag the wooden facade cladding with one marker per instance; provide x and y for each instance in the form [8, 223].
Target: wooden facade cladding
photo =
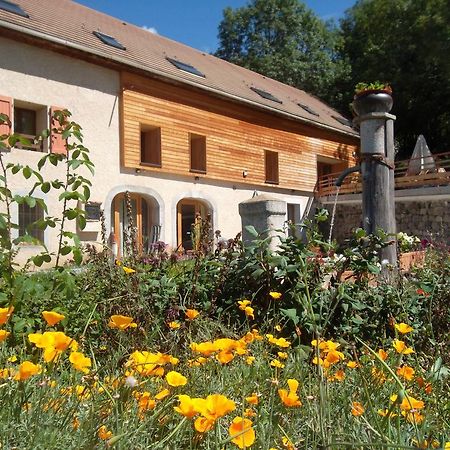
[236, 136]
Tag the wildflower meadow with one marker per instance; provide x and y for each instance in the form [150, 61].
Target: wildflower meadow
[232, 346]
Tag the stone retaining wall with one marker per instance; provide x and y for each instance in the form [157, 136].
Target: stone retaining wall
[426, 219]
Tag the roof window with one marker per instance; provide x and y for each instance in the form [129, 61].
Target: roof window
[308, 109]
[185, 67]
[266, 95]
[109, 40]
[343, 121]
[13, 8]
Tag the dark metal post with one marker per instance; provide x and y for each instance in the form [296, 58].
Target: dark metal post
[377, 168]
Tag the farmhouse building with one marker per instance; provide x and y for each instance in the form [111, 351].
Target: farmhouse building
[182, 131]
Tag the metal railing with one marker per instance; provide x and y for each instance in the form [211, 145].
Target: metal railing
[436, 172]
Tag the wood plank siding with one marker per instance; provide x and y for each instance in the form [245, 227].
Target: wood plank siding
[236, 136]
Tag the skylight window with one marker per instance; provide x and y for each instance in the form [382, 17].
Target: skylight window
[308, 109]
[343, 121]
[108, 40]
[185, 67]
[13, 8]
[266, 95]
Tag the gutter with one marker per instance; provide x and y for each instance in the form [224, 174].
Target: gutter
[126, 62]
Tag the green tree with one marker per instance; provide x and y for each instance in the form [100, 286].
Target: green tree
[407, 43]
[284, 40]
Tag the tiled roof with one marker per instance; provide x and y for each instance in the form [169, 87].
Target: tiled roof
[68, 23]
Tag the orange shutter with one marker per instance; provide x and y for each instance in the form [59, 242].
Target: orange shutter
[57, 143]
[5, 108]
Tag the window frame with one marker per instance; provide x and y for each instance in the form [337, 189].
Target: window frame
[271, 167]
[15, 217]
[156, 135]
[41, 122]
[194, 153]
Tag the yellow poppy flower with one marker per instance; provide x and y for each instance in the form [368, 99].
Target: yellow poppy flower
[252, 399]
[290, 398]
[191, 314]
[357, 409]
[3, 335]
[52, 317]
[243, 304]
[250, 360]
[175, 379]
[403, 328]
[145, 402]
[242, 429]
[162, 394]
[5, 314]
[121, 322]
[287, 443]
[401, 347]
[277, 363]
[80, 362]
[128, 270]
[215, 406]
[103, 433]
[225, 356]
[202, 424]
[205, 348]
[26, 370]
[352, 364]
[275, 295]
[186, 406]
[406, 372]
[174, 325]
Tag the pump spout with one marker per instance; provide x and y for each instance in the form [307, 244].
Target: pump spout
[345, 173]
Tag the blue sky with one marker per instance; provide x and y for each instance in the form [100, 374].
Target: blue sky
[193, 22]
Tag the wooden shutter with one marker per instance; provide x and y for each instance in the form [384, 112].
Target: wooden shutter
[57, 143]
[271, 160]
[5, 108]
[151, 147]
[198, 153]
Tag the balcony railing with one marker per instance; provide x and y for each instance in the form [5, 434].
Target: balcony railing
[436, 172]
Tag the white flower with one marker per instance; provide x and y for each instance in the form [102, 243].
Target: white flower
[130, 381]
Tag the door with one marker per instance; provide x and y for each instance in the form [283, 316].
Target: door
[130, 226]
[188, 214]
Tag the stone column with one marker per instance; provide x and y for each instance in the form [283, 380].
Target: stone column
[267, 214]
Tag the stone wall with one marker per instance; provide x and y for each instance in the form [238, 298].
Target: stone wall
[428, 219]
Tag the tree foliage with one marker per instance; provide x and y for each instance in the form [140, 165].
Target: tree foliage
[284, 40]
[407, 43]
[403, 42]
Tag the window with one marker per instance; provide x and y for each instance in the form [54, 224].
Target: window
[109, 40]
[198, 153]
[13, 8]
[25, 121]
[293, 218]
[266, 95]
[27, 216]
[343, 121]
[185, 67]
[151, 146]
[308, 109]
[271, 163]
[29, 120]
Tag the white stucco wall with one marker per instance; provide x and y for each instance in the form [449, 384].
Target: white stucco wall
[91, 92]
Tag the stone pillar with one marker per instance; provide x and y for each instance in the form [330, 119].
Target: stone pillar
[377, 169]
[267, 214]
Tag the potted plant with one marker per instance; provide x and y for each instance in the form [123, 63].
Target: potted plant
[372, 97]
